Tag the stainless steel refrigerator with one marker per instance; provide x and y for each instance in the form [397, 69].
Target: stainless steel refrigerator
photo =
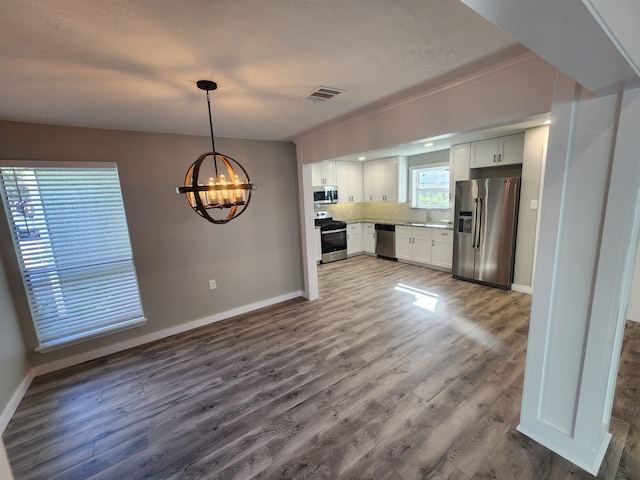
[484, 240]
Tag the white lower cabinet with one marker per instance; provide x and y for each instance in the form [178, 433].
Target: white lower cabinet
[354, 238]
[442, 248]
[424, 245]
[413, 244]
[369, 237]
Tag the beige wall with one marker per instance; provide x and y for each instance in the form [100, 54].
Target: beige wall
[254, 258]
[13, 353]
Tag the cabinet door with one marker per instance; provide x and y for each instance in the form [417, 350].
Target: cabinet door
[422, 250]
[422, 245]
[391, 180]
[316, 174]
[367, 181]
[484, 153]
[355, 182]
[369, 238]
[442, 250]
[342, 180]
[459, 157]
[323, 173]
[403, 243]
[354, 238]
[378, 180]
[329, 172]
[511, 149]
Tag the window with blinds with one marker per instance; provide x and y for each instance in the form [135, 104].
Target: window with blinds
[71, 238]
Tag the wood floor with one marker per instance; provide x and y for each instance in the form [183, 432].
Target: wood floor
[398, 372]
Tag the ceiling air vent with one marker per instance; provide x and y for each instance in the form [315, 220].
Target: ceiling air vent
[321, 94]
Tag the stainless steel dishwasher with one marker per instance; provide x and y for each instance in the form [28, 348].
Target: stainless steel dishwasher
[386, 240]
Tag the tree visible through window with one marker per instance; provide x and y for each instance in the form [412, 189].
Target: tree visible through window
[430, 186]
[71, 238]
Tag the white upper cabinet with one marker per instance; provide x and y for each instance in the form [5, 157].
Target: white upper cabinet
[459, 157]
[349, 181]
[385, 180]
[512, 149]
[323, 173]
[493, 152]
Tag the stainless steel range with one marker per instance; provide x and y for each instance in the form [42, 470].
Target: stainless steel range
[333, 237]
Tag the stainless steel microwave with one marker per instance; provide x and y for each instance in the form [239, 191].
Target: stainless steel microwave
[325, 194]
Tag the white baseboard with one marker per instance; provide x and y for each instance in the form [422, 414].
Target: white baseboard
[151, 337]
[521, 288]
[15, 400]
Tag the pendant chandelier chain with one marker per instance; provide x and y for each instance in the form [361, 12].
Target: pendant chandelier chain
[213, 145]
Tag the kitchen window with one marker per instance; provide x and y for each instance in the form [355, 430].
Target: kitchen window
[72, 242]
[430, 186]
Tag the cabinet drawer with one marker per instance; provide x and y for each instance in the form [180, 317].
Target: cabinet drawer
[353, 227]
[443, 235]
[421, 232]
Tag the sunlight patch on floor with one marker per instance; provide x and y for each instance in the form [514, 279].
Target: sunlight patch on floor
[429, 301]
[423, 299]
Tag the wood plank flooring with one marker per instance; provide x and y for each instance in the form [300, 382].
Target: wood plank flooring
[398, 372]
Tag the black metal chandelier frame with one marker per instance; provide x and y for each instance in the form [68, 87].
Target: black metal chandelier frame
[217, 195]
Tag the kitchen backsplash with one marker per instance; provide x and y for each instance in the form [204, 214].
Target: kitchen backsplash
[397, 212]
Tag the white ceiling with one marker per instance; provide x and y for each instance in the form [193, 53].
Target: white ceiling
[133, 64]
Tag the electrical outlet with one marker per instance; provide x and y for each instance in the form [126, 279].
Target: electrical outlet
[212, 284]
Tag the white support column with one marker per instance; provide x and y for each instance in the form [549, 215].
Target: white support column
[588, 237]
[307, 228]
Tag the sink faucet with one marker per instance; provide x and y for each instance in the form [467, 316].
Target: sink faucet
[428, 217]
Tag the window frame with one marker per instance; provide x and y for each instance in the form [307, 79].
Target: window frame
[116, 272]
[414, 172]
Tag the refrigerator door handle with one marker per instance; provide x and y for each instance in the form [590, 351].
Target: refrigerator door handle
[475, 221]
[479, 216]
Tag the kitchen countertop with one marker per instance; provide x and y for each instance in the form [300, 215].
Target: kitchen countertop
[404, 223]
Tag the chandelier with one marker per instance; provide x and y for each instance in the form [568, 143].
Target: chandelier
[226, 189]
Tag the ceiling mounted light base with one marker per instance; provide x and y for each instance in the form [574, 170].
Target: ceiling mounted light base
[207, 85]
[226, 190]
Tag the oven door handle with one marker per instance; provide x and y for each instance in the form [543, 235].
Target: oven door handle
[334, 231]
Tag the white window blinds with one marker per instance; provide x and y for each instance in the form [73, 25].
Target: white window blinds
[72, 242]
